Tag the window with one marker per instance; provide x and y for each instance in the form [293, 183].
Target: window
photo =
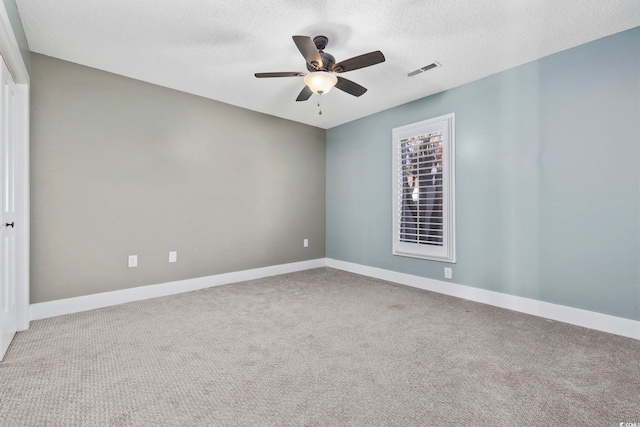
[424, 189]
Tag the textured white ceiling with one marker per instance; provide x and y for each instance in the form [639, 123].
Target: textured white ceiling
[212, 48]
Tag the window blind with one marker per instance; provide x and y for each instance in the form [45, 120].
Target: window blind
[420, 189]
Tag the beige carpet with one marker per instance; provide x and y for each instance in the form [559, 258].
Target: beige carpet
[316, 348]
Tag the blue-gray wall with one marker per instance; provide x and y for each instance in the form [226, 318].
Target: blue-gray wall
[548, 180]
[18, 30]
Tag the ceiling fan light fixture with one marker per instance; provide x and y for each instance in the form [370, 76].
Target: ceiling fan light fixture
[323, 68]
[320, 81]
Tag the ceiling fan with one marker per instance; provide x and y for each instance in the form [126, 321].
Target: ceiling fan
[323, 68]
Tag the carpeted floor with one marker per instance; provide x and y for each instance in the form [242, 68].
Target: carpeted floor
[316, 348]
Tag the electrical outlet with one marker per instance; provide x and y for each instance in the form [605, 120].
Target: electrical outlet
[133, 261]
[305, 243]
[173, 256]
[448, 273]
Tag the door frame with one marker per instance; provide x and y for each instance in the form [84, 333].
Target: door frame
[10, 52]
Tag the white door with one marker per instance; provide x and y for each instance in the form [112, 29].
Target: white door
[8, 276]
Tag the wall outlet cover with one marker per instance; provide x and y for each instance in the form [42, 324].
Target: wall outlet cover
[173, 256]
[133, 261]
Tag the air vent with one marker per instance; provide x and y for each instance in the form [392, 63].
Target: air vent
[425, 68]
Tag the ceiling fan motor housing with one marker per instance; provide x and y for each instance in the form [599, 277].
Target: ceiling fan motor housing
[328, 62]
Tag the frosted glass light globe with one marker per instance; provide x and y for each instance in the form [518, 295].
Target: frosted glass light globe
[320, 81]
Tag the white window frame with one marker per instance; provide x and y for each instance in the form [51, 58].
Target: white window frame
[446, 252]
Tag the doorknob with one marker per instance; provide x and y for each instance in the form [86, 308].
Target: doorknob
[10, 225]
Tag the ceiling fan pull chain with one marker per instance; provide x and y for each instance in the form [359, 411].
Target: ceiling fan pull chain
[319, 108]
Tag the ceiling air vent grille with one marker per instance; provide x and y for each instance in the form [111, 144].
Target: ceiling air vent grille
[425, 68]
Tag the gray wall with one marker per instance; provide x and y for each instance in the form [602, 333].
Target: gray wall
[548, 173]
[18, 31]
[122, 167]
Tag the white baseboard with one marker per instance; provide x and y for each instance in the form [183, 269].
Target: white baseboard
[89, 302]
[575, 316]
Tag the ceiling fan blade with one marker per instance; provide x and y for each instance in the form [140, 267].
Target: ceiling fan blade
[350, 87]
[304, 94]
[308, 49]
[281, 74]
[357, 62]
